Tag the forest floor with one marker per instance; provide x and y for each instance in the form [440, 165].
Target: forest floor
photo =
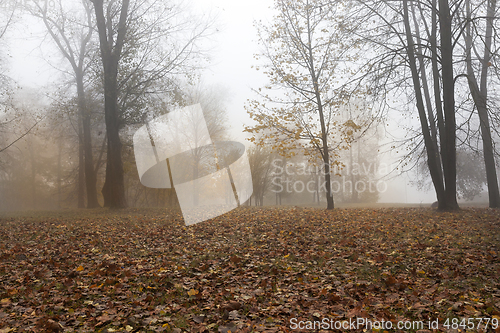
[252, 269]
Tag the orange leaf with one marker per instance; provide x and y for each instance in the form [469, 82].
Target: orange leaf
[193, 292]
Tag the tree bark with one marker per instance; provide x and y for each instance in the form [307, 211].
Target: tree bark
[114, 187]
[432, 155]
[425, 85]
[81, 166]
[448, 151]
[324, 134]
[480, 97]
[90, 174]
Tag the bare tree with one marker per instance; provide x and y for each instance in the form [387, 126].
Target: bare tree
[402, 58]
[446, 191]
[7, 18]
[260, 160]
[72, 34]
[479, 91]
[137, 53]
[430, 33]
[111, 44]
[7, 15]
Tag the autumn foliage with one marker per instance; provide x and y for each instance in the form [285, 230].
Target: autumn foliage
[248, 270]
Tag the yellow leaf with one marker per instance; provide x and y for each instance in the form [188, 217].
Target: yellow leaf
[193, 292]
[79, 269]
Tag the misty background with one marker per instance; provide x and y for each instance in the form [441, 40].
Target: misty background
[41, 136]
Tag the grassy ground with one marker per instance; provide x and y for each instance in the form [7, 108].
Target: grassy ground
[269, 269]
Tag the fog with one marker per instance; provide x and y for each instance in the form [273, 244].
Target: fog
[41, 151]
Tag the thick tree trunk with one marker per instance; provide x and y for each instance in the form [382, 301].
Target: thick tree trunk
[448, 151]
[114, 188]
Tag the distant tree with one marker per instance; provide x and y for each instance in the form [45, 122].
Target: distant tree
[25, 168]
[212, 100]
[71, 30]
[7, 15]
[360, 163]
[188, 131]
[260, 159]
[7, 114]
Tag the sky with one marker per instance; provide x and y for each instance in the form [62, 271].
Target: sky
[235, 47]
[232, 50]
[230, 69]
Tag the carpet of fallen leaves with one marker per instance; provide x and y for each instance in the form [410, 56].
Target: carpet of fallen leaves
[249, 270]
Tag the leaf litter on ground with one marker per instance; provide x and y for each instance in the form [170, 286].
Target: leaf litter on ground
[250, 270]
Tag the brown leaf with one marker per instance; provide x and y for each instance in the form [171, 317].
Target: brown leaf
[232, 305]
[235, 259]
[199, 319]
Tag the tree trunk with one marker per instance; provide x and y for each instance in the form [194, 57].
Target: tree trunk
[81, 166]
[33, 176]
[437, 84]
[90, 174]
[449, 150]
[425, 84]
[480, 97]
[114, 188]
[59, 172]
[324, 135]
[324, 151]
[432, 155]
